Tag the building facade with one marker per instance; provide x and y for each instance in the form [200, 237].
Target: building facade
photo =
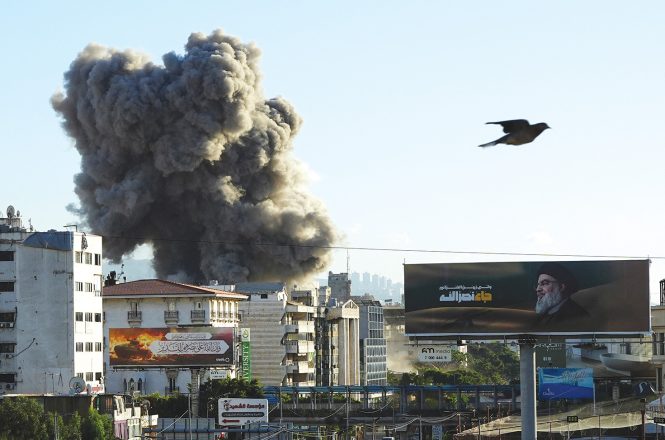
[373, 349]
[340, 286]
[160, 304]
[51, 332]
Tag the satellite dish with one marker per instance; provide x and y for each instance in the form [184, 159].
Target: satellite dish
[10, 211]
[76, 385]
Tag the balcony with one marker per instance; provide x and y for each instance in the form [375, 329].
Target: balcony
[198, 316]
[171, 316]
[299, 347]
[301, 367]
[299, 327]
[134, 316]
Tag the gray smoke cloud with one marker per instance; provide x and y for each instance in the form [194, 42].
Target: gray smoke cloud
[189, 156]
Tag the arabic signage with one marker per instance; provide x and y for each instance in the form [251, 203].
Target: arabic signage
[514, 298]
[434, 353]
[565, 383]
[190, 346]
[238, 412]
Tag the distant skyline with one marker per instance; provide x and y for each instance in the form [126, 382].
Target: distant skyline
[394, 98]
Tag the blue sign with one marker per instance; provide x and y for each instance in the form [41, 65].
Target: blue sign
[565, 383]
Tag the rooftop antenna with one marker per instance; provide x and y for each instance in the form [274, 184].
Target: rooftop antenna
[10, 212]
[347, 262]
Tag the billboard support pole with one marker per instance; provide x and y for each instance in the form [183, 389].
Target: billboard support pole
[528, 386]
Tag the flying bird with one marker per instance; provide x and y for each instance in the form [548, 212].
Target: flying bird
[519, 132]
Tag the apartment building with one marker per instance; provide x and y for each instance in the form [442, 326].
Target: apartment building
[51, 328]
[336, 341]
[171, 309]
[373, 348]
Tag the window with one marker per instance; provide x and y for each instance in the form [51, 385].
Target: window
[6, 286]
[98, 377]
[78, 257]
[78, 286]
[98, 259]
[79, 375]
[98, 317]
[7, 347]
[264, 296]
[88, 347]
[79, 346]
[98, 346]
[7, 317]
[88, 316]
[88, 257]
[79, 316]
[8, 378]
[89, 287]
[6, 255]
[88, 376]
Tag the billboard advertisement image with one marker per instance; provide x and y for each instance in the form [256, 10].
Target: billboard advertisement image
[565, 383]
[515, 298]
[191, 346]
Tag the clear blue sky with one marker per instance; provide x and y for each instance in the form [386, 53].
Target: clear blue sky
[394, 97]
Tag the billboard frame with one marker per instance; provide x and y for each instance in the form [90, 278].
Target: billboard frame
[624, 284]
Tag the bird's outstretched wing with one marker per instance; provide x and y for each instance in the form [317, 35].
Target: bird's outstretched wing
[513, 125]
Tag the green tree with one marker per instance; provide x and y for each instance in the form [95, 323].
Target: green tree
[72, 429]
[23, 419]
[495, 361]
[96, 426]
[172, 406]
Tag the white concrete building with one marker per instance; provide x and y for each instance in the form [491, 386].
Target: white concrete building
[263, 313]
[159, 304]
[282, 334]
[341, 345]
[50, 309]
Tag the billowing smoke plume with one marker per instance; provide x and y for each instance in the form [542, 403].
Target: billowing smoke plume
[190, 157]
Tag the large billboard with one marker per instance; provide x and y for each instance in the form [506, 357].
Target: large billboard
[539, 298]
[157, 347]
[565, 383]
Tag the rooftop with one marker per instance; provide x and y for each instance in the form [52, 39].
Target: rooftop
[156, 287]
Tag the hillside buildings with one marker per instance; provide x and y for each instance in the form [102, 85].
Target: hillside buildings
[51, 333]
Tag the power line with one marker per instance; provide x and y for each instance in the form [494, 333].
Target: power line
[381, 249]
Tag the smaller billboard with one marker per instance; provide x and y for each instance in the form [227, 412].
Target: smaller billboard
[565, 383]
[434, 353]
[156, 347]
[238, 412]
[551, 356]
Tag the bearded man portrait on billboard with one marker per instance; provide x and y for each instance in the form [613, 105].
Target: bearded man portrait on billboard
[554, 288]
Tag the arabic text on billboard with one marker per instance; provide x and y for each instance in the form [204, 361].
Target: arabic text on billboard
[192, 346]
[565, 383]
[238, 412]
[566, 298]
